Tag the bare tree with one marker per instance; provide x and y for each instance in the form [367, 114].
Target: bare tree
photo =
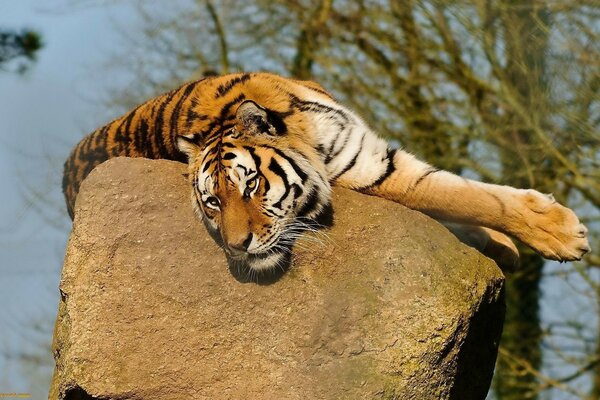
[503, 90]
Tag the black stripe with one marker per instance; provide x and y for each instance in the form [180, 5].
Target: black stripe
[316, 107]
[297, 190]
[192, 116]
[276, 168]
[311, 203]
[142, 138]
[256, 158]
[429, 171]
[389, 170]
[225, 88]
[122, 134]
[209, 139]
[130, 133]
[330, 150]
[270, 213]
[330, 156]
[87, 145]
[244, 168]
[267, 185]
[100, 138]
[213, 132]
[324, 218]
[301, 174]
[227, 107]
[198, 199]
[158, 126]
[115, 151]
[276, 120]
[177, 110]
[352, 162]
[81, 148]
[499, 201]
[208, 153]
[213, 150]
[206, 165]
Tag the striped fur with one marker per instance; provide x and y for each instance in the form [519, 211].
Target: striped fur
[263, 151]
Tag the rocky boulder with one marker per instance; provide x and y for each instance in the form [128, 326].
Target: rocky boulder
[385, 305]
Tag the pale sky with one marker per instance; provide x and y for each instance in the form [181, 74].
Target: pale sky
[42, 115]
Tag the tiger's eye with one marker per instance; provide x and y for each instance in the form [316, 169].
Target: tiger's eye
[252, 184]
[212, 202]
[250, 187]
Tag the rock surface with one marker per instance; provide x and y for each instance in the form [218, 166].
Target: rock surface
[387, 305]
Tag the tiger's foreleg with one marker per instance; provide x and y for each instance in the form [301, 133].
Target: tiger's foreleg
[532, 217]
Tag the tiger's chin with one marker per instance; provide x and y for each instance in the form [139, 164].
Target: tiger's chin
[263, 268]
[259, 262]
[265, 261]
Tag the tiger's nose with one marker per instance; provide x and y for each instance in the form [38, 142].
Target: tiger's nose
[241, 246]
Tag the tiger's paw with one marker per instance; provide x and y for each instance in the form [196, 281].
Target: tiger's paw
[554, 231]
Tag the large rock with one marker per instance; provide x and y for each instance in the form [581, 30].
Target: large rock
[387, 305]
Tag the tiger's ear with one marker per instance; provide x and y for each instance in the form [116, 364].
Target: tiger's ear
[254, 119]
[188, 145]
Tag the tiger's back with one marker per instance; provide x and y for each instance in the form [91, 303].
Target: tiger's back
[199, 108]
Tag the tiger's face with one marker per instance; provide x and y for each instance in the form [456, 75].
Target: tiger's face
[255, 192]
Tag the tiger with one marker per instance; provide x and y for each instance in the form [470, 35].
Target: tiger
[264, 151]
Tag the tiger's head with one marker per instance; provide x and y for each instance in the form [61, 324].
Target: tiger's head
[257, 184]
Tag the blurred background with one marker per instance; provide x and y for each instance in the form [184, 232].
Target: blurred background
[505, 91]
